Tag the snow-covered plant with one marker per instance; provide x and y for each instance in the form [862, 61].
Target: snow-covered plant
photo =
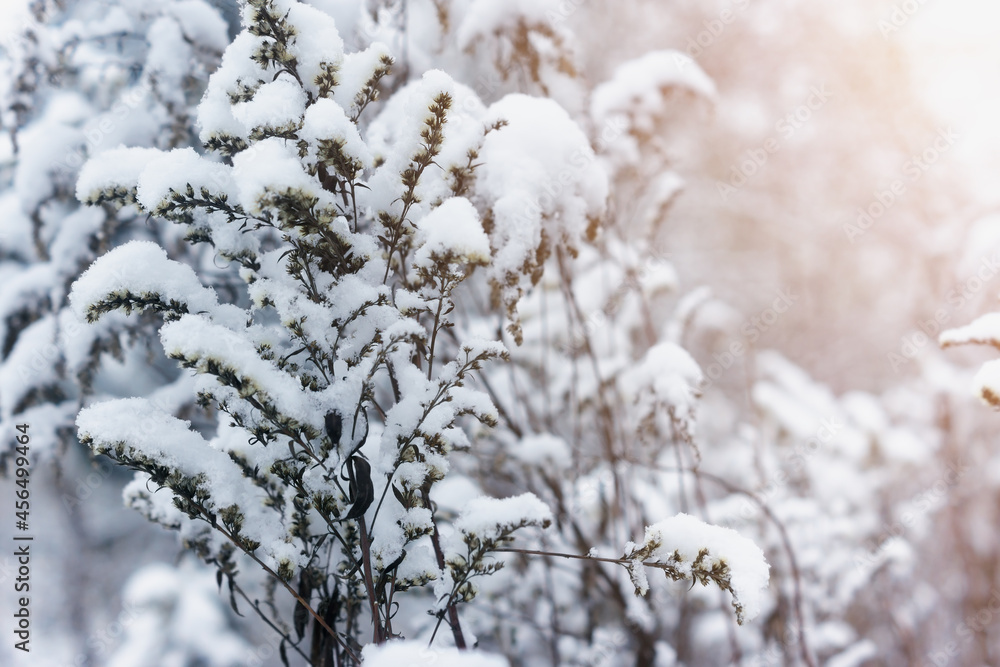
[686, 550]
[495, 48]
[76, 78]
[526, 46]
[343, 383]
[985, 330]
[598, 413]
[82, 79]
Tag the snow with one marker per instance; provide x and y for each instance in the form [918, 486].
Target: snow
[355, 73]
[136, 424]
[984, 330]
[855, 656]
[638, 85]
[135, 429]
[672, 374]
[396, 137]
[115, 170]
[70, 248]
[865, 411]
[787, 392]
[452, 493]
[270, 167]
[540, 186]
[488, 519]
[452, 229]
[139, 268]
[539, 173]
[327, 120]
[398, 653]
[685, 536]
[168, 58]
[484, 18]
[317, 45]
[115, 20]
[174, 616]
[16, 235]
[276, 105]
[786, 408]
[543, 449]
[346, 13]
[663, 188]
[900, 444]
[23, 292]
[215, 116]
[201, 23]
[201, 343]
[632, 111]
[43, 162]
[30, 364]
[174, 171]
[140, 495]
[987, 383]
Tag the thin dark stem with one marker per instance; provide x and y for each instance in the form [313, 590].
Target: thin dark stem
[453, 621]
[210, 519]
[295, 594]
[680, 475]
[256, 607]
[452, 618]
[434, 335]
[366, 560]
[556, 554]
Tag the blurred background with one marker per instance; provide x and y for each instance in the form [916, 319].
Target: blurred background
[895, 79]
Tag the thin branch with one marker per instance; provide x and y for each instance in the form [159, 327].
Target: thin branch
[255, 605]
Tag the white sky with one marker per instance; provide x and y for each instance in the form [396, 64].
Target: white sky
[954, 46]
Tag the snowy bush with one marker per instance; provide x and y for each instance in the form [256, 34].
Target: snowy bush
[82, 81]
[380, 342]
[76, 79]
[346, 382]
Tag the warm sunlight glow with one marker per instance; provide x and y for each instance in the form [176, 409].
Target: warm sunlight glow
[956, 62]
